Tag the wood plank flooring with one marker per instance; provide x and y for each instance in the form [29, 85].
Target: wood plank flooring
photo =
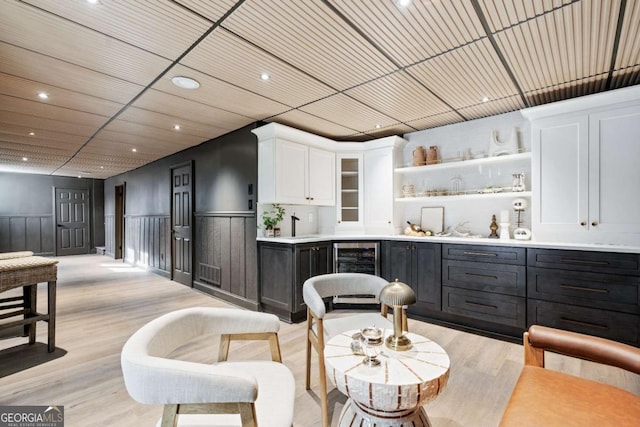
[101, 302]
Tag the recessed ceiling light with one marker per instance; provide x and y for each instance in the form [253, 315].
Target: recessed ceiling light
[378, 126]
[404, 3]
[32, 133]
[79, 176]
[265, 76]
[93, 1]
[176, 127]
[101, 167]
[43, 95]
[485, 99]
[185, 82]
[24, 159]
[134, 150]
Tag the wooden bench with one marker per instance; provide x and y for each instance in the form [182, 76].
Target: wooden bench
[27, 272]
[544, 397]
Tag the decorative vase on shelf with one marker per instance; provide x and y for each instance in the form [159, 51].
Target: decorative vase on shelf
[419, 156]
[432, 155]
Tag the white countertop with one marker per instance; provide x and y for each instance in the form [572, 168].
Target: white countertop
[463, 240]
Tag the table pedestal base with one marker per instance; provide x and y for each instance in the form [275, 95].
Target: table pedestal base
[354, 415]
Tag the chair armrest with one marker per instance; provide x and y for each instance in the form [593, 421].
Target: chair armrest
[155, 380]
[601, 350]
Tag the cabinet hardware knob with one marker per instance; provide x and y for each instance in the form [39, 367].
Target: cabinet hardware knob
[583, 223]
[594, 223]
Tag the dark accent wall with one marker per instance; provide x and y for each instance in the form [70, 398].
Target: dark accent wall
[27, 211]
[224, 225]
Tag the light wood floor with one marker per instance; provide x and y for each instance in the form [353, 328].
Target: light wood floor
[101, 302]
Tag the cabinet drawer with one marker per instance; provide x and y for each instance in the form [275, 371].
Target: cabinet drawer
[606, 291]
[480, 276]
[502, 309]
[479, 253]
[596, 262]
[621, 327]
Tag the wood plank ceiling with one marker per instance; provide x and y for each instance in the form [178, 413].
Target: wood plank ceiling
[345, 69]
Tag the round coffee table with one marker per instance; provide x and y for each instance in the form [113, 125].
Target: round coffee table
[392, 393]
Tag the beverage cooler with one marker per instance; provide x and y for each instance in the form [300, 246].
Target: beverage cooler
[356, 257]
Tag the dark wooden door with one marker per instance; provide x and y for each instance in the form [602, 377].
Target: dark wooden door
[119, 222]
[181, 220]
[400, 262]
[72, 221]
[428, 268]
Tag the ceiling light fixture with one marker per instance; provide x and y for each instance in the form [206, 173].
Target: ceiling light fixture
[378, 126]
[265, 76]
[134, 150]
[485, 99]
[404, 3]
[185, 82]
[24, 159]
[176, 127]
[93, 1]
[43, 95]
[32, 134]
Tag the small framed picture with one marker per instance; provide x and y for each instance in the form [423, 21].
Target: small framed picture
[432, 219]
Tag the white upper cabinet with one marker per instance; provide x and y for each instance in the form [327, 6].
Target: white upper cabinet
[585, 173]
[321, 177]
[292, 169]
[614, 171]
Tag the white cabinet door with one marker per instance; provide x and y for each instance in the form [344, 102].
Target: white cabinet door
[291, 161]
[560, 176]
[321, 177]
[378, 191]
[614, 170]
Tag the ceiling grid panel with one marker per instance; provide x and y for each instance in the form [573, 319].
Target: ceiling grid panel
[224, 56]
[26, 27]
[159, 26]
[309, 36]
[627, 64]
[416, 32]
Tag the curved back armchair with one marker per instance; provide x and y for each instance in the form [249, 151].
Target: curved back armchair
[261, 391]
[320, 327]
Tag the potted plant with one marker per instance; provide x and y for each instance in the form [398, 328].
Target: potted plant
[271, 218]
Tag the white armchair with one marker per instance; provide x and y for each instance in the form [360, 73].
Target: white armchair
[261, 391]
[321, 328]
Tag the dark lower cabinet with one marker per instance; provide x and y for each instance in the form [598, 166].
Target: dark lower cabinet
[283, 269]
[417, 265]
[485, 284]
[596, 293]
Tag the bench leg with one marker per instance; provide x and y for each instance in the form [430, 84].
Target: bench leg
[30, 298]
[51, 302]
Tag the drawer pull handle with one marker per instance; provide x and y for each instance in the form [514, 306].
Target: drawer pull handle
[581, 323]
[582, 288]
[582, 261]
[481, 275]
[477, 304]
[479, 253]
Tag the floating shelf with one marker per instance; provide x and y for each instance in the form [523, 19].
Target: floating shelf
[465, 163]
[485, 196]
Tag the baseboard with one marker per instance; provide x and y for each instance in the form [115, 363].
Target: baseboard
[226, 296]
